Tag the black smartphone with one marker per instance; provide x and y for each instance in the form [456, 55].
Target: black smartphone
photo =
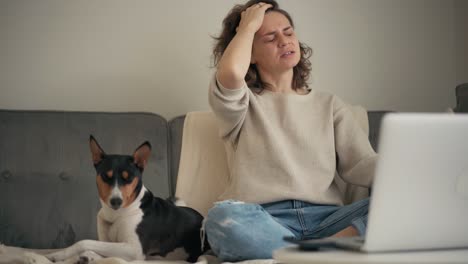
[312, 244]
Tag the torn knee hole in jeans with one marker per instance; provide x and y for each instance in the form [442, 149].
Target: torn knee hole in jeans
[228, 222]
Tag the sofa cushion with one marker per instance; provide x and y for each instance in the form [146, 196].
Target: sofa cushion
[176, 129]
[375, 119]
[203, 169]
[48, 195]
[461, 92]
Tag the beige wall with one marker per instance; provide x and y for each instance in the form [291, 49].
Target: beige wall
[150, 55]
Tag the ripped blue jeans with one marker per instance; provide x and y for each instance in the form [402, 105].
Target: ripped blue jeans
[240, 231]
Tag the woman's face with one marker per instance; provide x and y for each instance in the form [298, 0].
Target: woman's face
[275, 47]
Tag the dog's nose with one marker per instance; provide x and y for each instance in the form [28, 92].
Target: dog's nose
[116, 203]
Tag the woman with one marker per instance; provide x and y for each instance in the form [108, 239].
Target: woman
[285, 141]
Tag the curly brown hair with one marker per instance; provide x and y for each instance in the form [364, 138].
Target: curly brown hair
[301, 71]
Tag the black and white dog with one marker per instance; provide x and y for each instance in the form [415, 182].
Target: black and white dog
[132, 223]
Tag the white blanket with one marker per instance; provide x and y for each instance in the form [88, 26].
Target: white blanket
[14, 255]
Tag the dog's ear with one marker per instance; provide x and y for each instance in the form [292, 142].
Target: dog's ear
[96, 150]
[141, 155]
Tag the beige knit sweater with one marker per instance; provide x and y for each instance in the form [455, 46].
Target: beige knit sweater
[289, 146]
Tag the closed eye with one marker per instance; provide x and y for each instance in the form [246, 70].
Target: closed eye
[269, 37]
[289, 32]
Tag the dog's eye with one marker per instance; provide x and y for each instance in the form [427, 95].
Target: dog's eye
[125, 175]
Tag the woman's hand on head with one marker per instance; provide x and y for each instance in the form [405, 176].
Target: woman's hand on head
[236, 59]
[252, 17]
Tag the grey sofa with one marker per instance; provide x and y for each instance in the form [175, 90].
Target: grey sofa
[48, 196]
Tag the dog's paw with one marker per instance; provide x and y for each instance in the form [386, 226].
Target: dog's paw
[65, 254]
[88, 257]
[57, 256]
[33, 258]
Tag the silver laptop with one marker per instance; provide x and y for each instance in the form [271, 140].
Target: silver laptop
[420, 192]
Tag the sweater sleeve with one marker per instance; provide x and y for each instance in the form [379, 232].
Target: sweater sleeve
[230, 107]
[356, 157]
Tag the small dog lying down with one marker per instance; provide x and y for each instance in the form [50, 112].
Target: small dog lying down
[132, 223]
